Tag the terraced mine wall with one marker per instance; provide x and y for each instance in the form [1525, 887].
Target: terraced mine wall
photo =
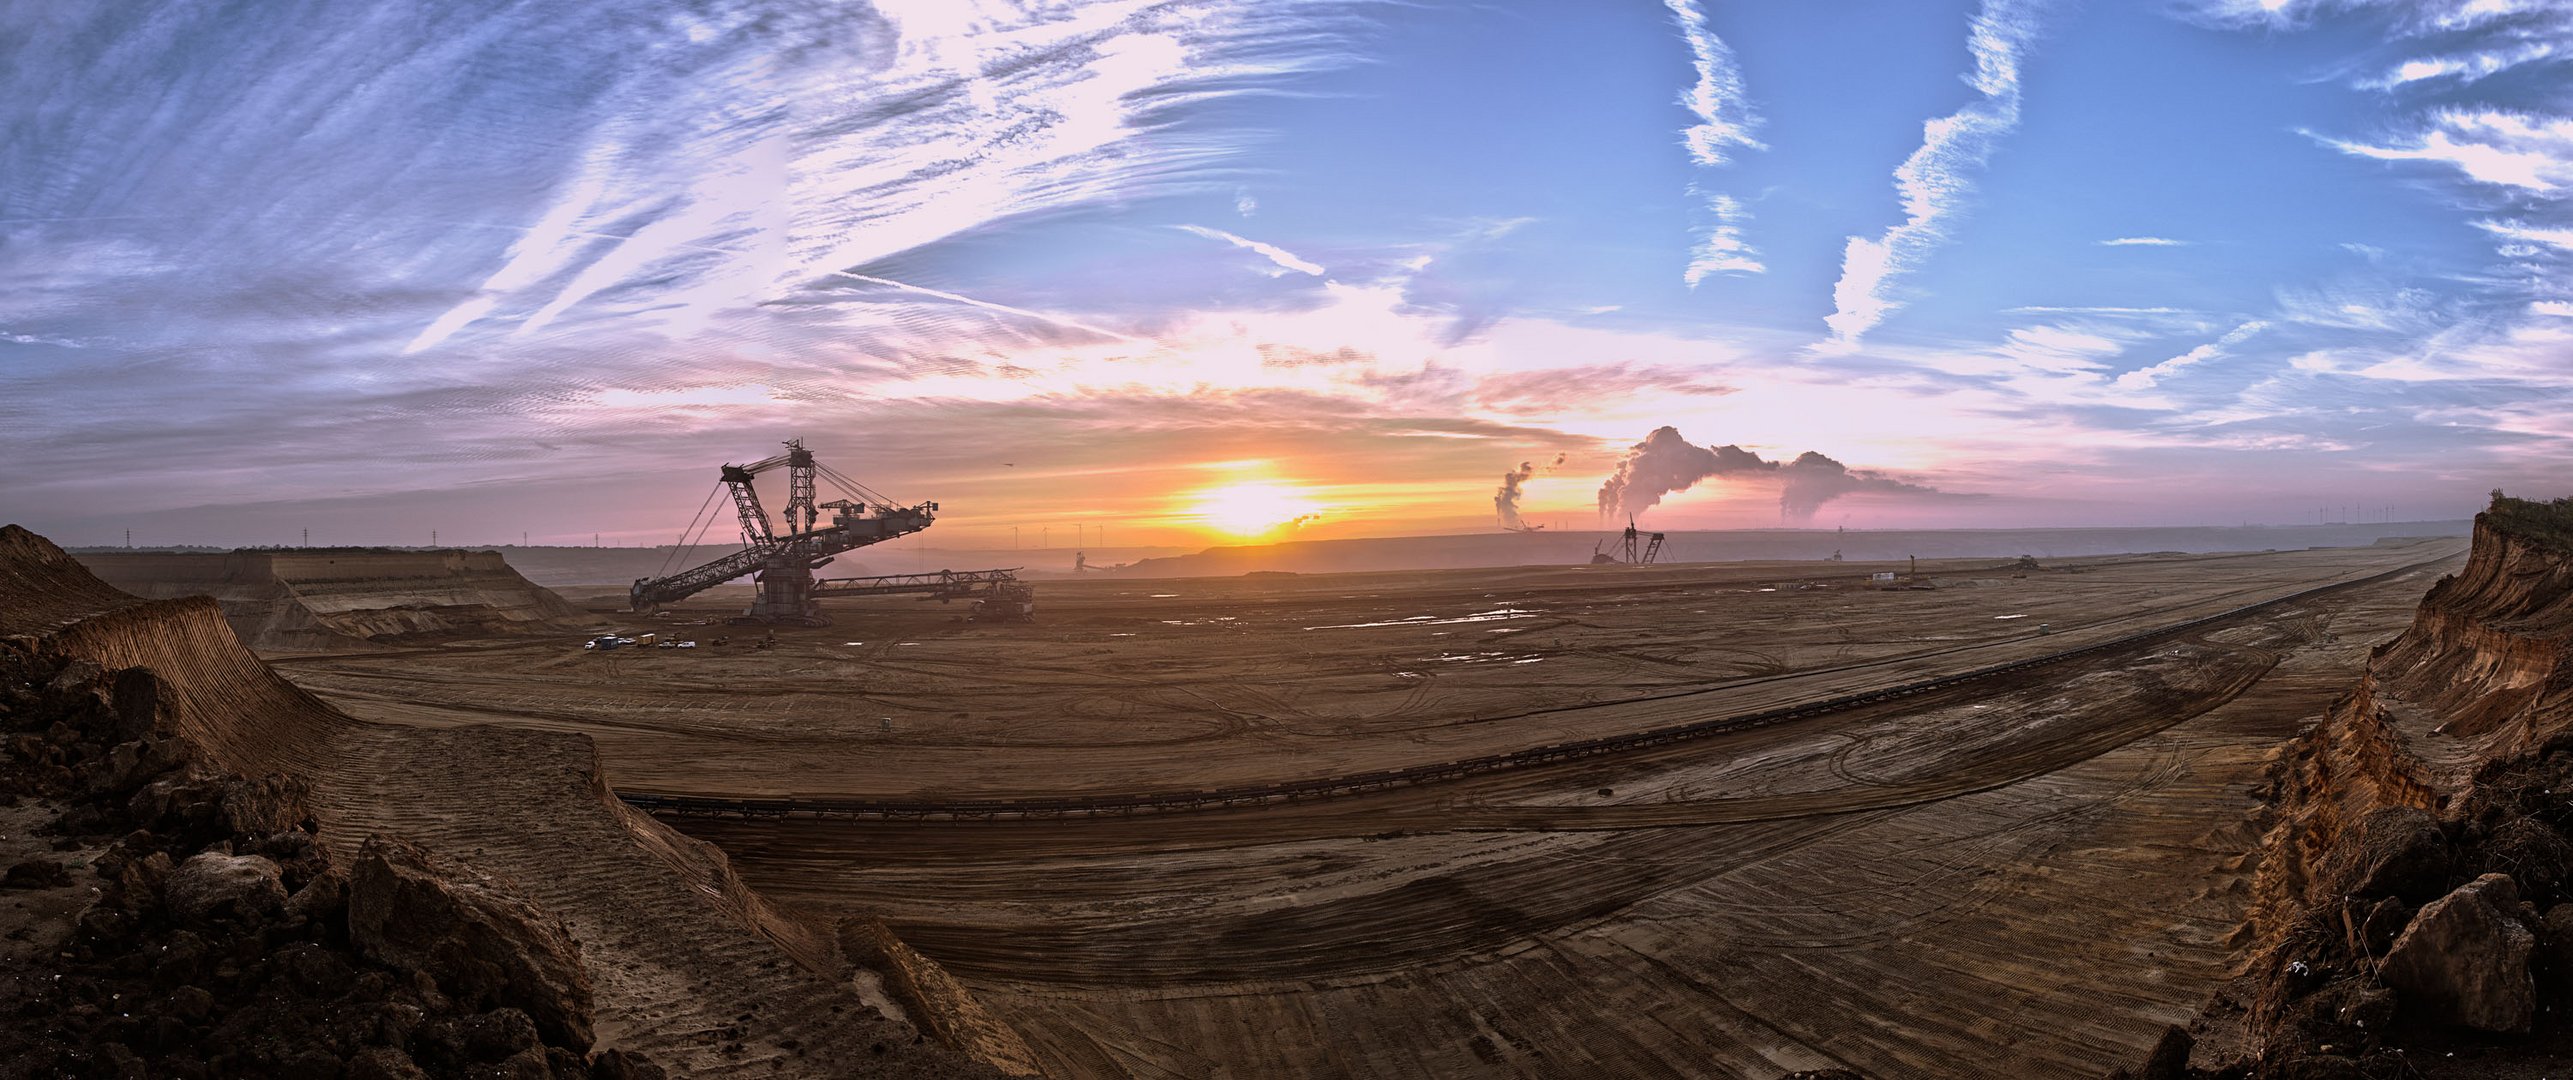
[2413, 909]
[342, 598]
[201, 805]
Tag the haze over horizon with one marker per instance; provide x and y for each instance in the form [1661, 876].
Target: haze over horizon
[1214, 270]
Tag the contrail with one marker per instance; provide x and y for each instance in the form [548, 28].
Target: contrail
[867, 278]
[963, 299]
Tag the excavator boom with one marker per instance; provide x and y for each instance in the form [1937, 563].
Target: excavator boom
[784, 563]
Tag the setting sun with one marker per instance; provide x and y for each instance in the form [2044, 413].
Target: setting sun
[1252, 509]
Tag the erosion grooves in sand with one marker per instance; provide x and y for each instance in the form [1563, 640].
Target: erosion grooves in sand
[2026, 876]
[690, 967]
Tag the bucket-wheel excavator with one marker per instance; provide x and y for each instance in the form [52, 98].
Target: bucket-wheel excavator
[783, 562]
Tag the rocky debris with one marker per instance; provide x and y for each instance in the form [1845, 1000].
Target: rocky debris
[1823, 1074]
[482, 945]
[2397, 851]
[2553, 961]
[2464, 959]
[36, 874]
[2370, 929]
[210, 887]
[220, 944]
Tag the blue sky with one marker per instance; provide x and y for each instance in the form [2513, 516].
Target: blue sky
[539, 266]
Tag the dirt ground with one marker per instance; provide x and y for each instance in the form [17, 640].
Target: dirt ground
[2024, 876]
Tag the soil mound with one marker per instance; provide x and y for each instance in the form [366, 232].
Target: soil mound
[341, 598]
[2414, 900]
[246, 882]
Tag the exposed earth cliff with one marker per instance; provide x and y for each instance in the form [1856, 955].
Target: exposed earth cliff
[2414, 908]
[341, 598]
[210, 872]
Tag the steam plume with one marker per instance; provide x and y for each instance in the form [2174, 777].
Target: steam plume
[1666, 463]
[1505, 502]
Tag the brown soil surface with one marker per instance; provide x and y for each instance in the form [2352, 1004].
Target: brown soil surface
[689, 967]
[2027, 876]
[345, 598]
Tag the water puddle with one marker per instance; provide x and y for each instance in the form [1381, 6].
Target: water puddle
[1499, 614]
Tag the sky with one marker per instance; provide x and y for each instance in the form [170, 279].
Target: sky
[1215, 270]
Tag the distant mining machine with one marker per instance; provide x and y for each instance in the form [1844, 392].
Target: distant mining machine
[782, 562]
[998, 595]
[1650, 553]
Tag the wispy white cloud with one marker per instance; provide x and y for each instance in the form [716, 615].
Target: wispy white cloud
[2465, 67]
[2145, 241]
[1281, 257]
[2504, 149]
[2364, 306]
[2108, 310]
[2412, 17]
[1725, 122]
[1721, 248]
[1723, 108]
[2527, 233]
[2146, 378]
[1936, 180]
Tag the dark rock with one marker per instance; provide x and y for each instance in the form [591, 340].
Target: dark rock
[2554, 956]
[498, 1034]
[2532, 854]
[1820, 1074]
[528, 1064]
[145, 704]
[383, 1063]
[270, 804]
[2464, 960]
[70, 683]
[483, 946]
[322, 897]
[628, 1065]
[313, 970]
[181, 961]
[309, 1063]
[130, 765]
[2170, 1057]
[210, 886]
[191, 1003]
[394, 1023]
[2318, 1067]
[36, 874]
[2393, 851]
[2369, 1009]
[2372, 926]
[144, 877]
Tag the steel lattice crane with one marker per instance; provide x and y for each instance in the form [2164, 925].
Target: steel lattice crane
[783, 563]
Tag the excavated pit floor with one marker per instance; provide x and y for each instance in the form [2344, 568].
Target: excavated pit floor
[2028, 875]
